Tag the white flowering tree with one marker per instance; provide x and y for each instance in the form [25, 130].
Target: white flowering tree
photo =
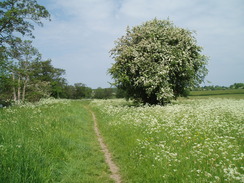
[156, 62]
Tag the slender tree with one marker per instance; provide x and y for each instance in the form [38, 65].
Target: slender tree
[23, 55]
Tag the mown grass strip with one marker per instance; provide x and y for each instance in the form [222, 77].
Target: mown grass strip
[218, 92]
[50, 143]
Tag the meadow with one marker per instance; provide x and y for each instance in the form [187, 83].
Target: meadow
[190, 140]
[51, 141]
[199, 139]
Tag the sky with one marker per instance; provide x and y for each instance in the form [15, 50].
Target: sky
[81, 33]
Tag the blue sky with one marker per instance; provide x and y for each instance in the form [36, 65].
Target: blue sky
[82, 32]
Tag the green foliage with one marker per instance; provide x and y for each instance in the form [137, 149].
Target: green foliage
[82, 91]
[217, 87]
[4, 76]
[237, 86]
[17, 17]
[44, 72]
[27, 77]
[120, 93]
[211, 87]
[156, 62]
[22, 55]
[32, 79]
[77, 91]
[104, 93]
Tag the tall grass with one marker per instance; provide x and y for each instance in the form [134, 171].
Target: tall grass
[52, 141]
[199, 140]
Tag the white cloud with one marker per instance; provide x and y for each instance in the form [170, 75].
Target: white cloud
[83, 31]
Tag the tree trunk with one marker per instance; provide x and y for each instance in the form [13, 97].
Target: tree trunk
[14, 91]
[19, 90]
[23, 92]
[24, 88]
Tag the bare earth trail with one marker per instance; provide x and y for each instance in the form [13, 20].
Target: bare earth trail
[108, 157]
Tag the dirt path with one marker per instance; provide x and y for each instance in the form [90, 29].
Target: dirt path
[108, 157]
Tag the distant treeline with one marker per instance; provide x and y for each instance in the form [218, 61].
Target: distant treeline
[81, 91]
[217, 87]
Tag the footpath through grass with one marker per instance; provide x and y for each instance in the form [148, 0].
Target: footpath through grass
[50, 142]
[192, 140]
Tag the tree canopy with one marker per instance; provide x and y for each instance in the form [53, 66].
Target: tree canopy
[28, 77]
[17, 57]
[156, 62]
[17, 17]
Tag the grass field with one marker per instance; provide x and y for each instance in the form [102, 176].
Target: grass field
[191, 140]
[52, 141]
[229, 93]
[199, 139]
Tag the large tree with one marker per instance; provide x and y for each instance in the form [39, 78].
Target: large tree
[156, 62]
[17, 17]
